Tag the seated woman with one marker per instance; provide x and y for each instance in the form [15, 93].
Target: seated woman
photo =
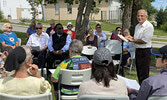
[115, 33]
[75, 62]
[21, 83]
[91, 39]
[105, 80]
[8, 38]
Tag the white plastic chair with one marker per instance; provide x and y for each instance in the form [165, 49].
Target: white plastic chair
[19, 39]
[72, 78]
[46, 96]
[103, 97]
[157, 98]
[89, 50]
[131, 50]
[115, 47]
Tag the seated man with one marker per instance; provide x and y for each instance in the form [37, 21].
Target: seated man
[75, 62]
[156, 85]
[51, 30]
[58, 46]
[39, 39]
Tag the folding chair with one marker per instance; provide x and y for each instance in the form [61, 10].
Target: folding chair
[103, 97]
[157, 98]
[44, 73]
[19, 39]
[115, 48]
[131, 50]
[46, 96]
[72, 78]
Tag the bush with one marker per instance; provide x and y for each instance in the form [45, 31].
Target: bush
[164, 27]
[4, 20]
[1, 15]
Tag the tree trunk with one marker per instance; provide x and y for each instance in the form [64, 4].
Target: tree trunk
[81, 24]
[136, 6]
[126, 18]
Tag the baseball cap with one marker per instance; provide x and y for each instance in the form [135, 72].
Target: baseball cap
[69, 23]
[102, 56]
[159, 51]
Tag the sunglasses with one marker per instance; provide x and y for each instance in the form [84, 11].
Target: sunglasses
[38, 28]
[118, 30]
[10, 27]
[60, 28]
[51, 24]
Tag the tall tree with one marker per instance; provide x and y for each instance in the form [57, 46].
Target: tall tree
[136, 6]
[161, 17]
[127, 12]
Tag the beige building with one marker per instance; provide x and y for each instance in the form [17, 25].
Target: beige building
[64, 11]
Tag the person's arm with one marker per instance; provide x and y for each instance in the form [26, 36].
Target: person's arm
[145, 91]
[50, 43]
[95, 41]
[66, 46]
[29, 42]
[34, 70]
[103, 36]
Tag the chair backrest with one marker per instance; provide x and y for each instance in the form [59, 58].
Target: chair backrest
[132, 50]
[89, 50]
[114, 46]
[158, 98]
[103, 97]
[74, 77]
[46, 96]
[19, 39]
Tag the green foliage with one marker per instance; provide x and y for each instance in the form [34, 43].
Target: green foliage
[4, 20]
[1, 15]
[164, 27]
[161, 17]
[146, 4]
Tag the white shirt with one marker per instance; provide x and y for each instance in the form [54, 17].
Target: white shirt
[145, 33]
[35, 40]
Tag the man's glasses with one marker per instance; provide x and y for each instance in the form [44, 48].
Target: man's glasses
[10, 27]
[158, 56]
[38, 28]
[60, 28]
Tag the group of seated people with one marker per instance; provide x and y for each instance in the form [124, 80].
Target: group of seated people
[20, 77]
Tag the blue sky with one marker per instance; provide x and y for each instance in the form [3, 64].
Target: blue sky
[159, 3]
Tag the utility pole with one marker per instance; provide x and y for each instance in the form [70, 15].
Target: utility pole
[43, 10]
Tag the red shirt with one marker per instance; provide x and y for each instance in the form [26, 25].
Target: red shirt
[73, 33]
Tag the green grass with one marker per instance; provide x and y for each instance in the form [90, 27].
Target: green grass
[161, 40]
[160, 32]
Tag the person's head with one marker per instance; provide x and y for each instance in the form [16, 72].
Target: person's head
[69, 26]
[126, 32]
[102, 66]
[98, 28]
[161, 56]
[19, 58]
[39, 28]
[118, 30]
[52, 24]
[32, 25]
[59, 28]
[7, 27]
[75, 48]
[142, 16]
[90, 31]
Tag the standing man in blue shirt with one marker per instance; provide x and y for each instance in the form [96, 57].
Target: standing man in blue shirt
[58, 46]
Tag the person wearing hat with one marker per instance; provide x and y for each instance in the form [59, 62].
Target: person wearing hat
[105, 80]
[51, 30]
[69, 30]
[156, 85]
[21, 83]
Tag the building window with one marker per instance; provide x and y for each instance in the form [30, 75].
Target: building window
[57, 8]
[69, 8]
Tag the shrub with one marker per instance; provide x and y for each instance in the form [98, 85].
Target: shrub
[1, 15]
[164, 27]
